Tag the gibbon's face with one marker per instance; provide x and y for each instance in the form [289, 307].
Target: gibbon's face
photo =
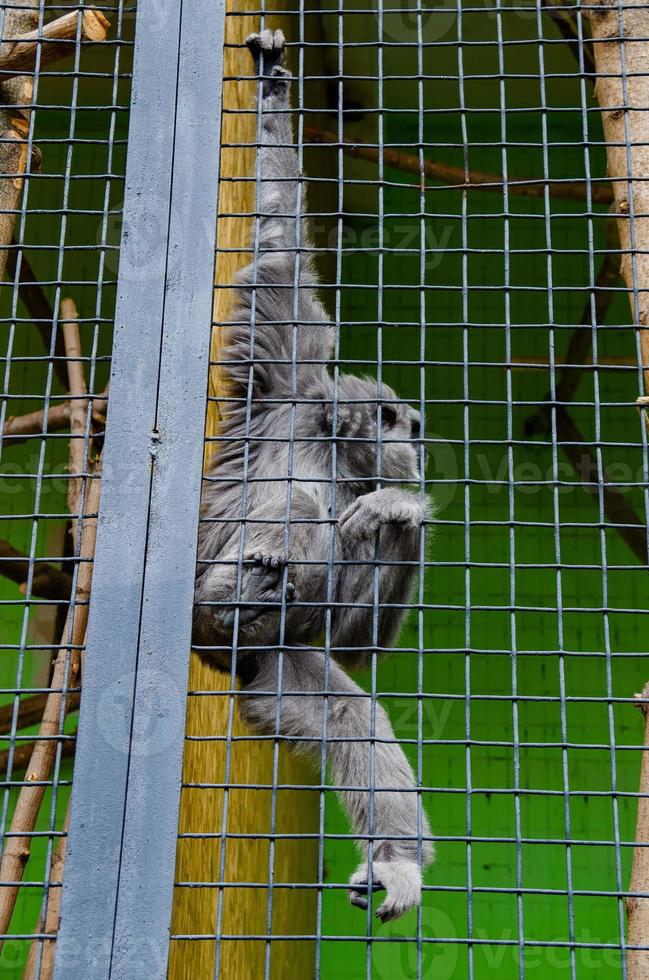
[386, 441]
[400, 440]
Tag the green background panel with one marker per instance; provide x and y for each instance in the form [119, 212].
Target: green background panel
[543, 633]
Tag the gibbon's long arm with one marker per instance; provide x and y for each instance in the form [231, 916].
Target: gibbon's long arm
[281, 329]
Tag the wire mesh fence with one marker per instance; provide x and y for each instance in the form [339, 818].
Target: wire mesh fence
[65, 92]
[463, 231]
[473, 182]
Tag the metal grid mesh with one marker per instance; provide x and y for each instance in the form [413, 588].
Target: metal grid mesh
[64, 246]
[468, 258]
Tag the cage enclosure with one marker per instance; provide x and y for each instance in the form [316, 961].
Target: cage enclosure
[474, 178]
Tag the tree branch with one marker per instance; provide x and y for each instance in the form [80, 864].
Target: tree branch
[566, 21]
[23, 752]
[456, 177]
[64, 675]
[52, 911]
[19, 19]
[581, 340]
[57, 419]
[30, 711]
[616, 507]
[78, 407]
[48, 582]
[38, 306]
[19, 56]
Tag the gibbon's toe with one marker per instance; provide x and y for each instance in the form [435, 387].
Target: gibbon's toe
[400, 879]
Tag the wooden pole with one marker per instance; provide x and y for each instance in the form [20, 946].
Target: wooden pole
[64, 675]
[637, 909]
[248, 810]
[52, 912]
[78, 408]
[619, 32]
[15, 97]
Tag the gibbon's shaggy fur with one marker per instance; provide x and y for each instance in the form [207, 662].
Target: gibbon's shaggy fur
[309, 537]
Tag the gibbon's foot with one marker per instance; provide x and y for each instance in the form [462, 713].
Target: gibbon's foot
[262, 583]
[368, 513]
[271, 45]
[400, 879]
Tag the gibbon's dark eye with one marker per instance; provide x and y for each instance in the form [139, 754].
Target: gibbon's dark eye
[388, 416]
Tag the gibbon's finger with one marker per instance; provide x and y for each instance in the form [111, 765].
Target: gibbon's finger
[348, 512]
[360, 901]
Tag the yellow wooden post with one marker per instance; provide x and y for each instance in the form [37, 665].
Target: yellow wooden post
[244, 909]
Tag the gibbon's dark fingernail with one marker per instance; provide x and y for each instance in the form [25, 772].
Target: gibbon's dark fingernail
[358, 900]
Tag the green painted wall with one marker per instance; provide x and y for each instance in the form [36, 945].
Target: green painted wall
[507, 490]
[500, 605]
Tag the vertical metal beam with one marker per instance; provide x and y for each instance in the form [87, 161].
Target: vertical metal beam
[119, 872]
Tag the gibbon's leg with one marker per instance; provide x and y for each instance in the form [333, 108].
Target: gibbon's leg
[271, 572]
[391, 813]
[397, 516]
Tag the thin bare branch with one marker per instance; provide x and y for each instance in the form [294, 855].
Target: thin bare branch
[23, 752]
[30, 711]
[38, 306]
[48, 582]
[455, 177]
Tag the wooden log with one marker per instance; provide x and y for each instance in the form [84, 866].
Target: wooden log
[64, 675]
[246, 858]
[19, 56]
[56, 419]
[78, 408]
[637, 909]
[45, 969]
[622, 90]
[15, 97]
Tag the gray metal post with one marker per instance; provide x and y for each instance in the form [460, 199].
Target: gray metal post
[120, 866]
